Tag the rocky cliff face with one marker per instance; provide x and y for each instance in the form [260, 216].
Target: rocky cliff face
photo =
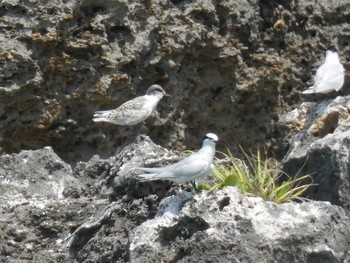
[318, 144]
[231, 67]
[234, 68]
[100, 212]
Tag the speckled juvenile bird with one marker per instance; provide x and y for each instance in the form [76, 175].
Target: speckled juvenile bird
[133, 111]
[329, 76]
[195, 166]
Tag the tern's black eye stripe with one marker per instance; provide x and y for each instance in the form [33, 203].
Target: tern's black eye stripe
[209, 138]
[333, 49]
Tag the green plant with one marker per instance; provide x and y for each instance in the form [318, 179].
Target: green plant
[253, 175]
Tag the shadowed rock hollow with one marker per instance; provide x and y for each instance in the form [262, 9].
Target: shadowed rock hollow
[231, 68]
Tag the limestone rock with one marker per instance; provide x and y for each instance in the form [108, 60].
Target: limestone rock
[101, 212]
[231, 67]
[246, 229]
[318, 139]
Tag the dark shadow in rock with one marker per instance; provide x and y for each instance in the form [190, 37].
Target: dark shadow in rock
[322, 257]
[321, 164]
[225, 201]
[184, 229]
[80, 237]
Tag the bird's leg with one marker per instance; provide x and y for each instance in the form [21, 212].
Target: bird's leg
[193, 183]
[136, 130]
[195, 186]
[142, 128]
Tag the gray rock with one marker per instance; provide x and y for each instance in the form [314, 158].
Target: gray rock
[35, 175]
[101, 212]
[37, 191]
[318, 139]
[231, 68]
[51, 213]
[246, 229]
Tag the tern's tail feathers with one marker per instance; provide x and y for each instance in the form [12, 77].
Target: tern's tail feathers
[101, 112]
[101, 116]
[97, 119]
[148, 177]
[309, 90]
[156, 174]
[150, 169]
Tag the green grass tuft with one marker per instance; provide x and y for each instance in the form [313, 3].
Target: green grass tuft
[253, 175]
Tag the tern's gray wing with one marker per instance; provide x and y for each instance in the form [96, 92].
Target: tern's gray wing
[183, 171]
[158, 176]
[130, 112]
[132, 108]
[188, 160]
[320, 74]
[191, 169]
[329, 77]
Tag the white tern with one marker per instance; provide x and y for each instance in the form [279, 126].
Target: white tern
[329, 76]
[192, 167]
[133, 111]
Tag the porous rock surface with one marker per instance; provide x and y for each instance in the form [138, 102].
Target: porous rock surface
[51, 213]
[100, 212]
[317, 137]
[228, 227]
[232, 67]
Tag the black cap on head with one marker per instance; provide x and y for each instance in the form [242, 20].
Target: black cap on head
[155, 88]
[332, 48]
[211, 136]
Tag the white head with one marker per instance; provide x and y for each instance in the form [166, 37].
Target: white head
[156, 90]
[210, 138]
[332, 55]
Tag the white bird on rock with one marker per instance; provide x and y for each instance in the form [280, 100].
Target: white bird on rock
[195, 166]
[329, 76]
[133, 111]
